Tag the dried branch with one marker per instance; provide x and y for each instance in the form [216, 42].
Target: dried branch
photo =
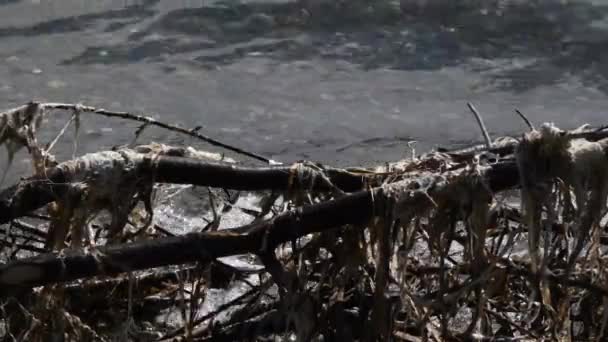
[33, 193]
[338, 234]
[508, 147]
[255, 238]
[482, 126]
[523, 117]
[153, 122]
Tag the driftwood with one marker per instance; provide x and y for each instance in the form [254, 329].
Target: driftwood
[41, 108]
[508, 146]
[402, 249]
[258, 238]
[33, 193]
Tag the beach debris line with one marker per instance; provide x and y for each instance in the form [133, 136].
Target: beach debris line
[426, 248]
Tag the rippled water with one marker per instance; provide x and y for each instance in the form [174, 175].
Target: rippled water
[340, 91]
[343, 89]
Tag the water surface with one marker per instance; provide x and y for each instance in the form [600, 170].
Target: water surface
[340, 91]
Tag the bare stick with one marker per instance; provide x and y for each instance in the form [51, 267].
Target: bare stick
[353, 209]
[482, 126]
[51, 144]
[33, 193]
[523, 117]
[601, 128]
[150, 121]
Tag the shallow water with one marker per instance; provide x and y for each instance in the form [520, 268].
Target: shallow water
[341, 92]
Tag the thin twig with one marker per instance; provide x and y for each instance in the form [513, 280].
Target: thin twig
[254, 293]
[482, 126]
[22, 236]
[24, 247]
[51, 144]
[515, 325]
[163, 230]
[523, 117]
[28, 228]
[150, 121]
[601, 128]
[515, 268]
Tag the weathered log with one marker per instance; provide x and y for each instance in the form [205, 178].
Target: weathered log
[191, 171]
[255, 238]
[50, 268]
[33, 193]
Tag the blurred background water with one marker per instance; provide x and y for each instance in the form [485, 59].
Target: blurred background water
[344, 87]
[341, 90]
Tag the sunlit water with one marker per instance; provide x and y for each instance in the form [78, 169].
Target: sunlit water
[340, 92]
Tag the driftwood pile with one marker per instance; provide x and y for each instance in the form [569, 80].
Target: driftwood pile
[430, 248]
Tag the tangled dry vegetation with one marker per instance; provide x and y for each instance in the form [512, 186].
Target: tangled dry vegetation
[433, 248]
